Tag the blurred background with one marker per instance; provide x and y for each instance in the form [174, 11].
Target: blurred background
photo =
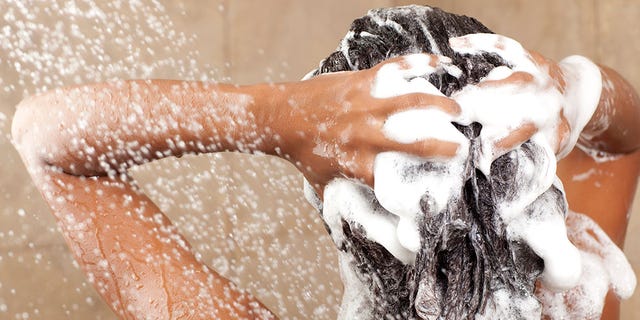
[245, 216]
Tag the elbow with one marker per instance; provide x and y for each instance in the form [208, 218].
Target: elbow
[20, 128]
[27, 132]
[46, 133]
[615, 125]
[614, 144]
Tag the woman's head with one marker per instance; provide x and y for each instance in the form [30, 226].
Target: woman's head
[390, 32]
[466, 261]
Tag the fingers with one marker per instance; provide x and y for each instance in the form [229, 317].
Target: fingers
[429, 148]
[508, 49]
[407, 74]
[390, 106]
[420, 64]
[512, 52]
[412, 65]
[563, 135]
[515, 138]
[518, 78]
[360, 165]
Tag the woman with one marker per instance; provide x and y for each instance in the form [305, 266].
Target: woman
[78, 143]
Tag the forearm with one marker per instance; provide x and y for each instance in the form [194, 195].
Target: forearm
[136, 259]
[105, 128]
[329, 126]
[133, 255]
[615, 125]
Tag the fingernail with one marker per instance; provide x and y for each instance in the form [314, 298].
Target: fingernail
[455, 42]
[458, 42]
[444, 59]
[453, 70]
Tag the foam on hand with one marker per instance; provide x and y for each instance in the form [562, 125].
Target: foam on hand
[408, 187]
[405, 195]
[394, 79]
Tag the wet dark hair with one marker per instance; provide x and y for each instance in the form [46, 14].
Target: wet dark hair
[390, 32]
[465, 255]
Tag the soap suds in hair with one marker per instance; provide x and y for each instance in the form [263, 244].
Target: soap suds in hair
[467, 237]
[604, 267]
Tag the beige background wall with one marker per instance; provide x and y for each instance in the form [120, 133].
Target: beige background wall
[245, 216]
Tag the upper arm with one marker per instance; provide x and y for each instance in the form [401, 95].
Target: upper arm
[108, 127]
[604, 188]
[615, 125]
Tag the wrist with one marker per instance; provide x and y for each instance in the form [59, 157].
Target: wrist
[272, 114]
[298, 125]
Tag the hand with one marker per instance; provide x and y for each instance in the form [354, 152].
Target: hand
[336, 124]
[517, 102]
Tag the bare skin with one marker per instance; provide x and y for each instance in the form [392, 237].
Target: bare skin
[614, 128]
[606, 196]
[78, 143]
[78, 152]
